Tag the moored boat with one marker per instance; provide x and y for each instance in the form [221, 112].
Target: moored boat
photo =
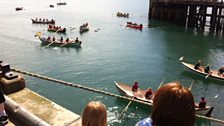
[134, 25]
[57, 42]
[57, 29]
[213, 74]
[43, 21]
[127, 90]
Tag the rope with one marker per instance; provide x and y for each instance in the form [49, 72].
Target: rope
[78, 86]
[98, 91]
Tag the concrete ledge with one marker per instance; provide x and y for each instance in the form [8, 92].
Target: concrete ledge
[21, 116]
[43, 108]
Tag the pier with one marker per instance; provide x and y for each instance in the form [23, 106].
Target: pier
[198, 14]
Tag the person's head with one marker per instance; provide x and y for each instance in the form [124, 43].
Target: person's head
[173, 105]
[94, 114]
[149, 89]
[136, 83]
[202, 98]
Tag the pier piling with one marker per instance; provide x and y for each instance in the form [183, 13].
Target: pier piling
[198, 14]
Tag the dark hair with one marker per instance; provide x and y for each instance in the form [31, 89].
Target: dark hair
[173, 105]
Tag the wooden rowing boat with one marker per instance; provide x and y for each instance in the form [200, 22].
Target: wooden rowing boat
[214, 73]
[127, 90]
[84, 28]
[58, 29]
[70, 43]
[140, 94]
[134, 25]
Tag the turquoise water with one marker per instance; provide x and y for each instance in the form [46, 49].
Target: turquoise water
[114, 53]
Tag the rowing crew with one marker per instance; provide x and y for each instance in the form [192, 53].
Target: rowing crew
[44, 20]
[149, 94]
[207, 69]
[61, 39]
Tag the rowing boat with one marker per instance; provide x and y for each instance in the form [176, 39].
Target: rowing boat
[127, 90]
[58, 29]
[214, 73]
[83, 28]
[70, 43]
[140, 94]
[134, 25]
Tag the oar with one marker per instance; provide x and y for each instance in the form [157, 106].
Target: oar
[47, 45]
[161, 84]
[208, 75]
[64, 44]
[181, 58]
[191, 85]
[125, 109]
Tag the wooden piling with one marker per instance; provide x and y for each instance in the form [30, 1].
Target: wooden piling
[199, 14]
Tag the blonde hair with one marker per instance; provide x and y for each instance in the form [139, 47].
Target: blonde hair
[94, 114]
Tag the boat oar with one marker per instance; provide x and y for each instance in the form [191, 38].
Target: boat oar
[181, 58]
[208, 75]
[64, 44]
[191, 85]
[161, 84]
[125, 109]
[47, 45]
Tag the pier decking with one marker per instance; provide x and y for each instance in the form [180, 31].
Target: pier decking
[197, 14]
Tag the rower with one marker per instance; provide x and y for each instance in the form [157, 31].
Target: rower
[77, 39]
[149, 94]
[221, 71]
[67, 40]
[53, 39]
[135, 87]
[61, 40]
[202, 103]
[48, 38]
[207, 69]
[197, 65]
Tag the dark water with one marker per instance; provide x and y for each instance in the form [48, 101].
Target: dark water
[114, 53]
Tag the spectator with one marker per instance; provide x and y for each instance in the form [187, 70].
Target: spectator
[173, 105]
[94, 114]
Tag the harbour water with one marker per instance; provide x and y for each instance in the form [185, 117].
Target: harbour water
[114, 53]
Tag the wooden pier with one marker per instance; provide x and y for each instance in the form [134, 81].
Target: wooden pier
[199, 14]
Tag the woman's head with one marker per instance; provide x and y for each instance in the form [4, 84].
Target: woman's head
[94, 114]
[173, 105]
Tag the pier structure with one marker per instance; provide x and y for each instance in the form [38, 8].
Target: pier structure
[199, 14]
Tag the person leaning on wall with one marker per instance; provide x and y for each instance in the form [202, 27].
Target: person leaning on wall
[173, 105]
[94, 114]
